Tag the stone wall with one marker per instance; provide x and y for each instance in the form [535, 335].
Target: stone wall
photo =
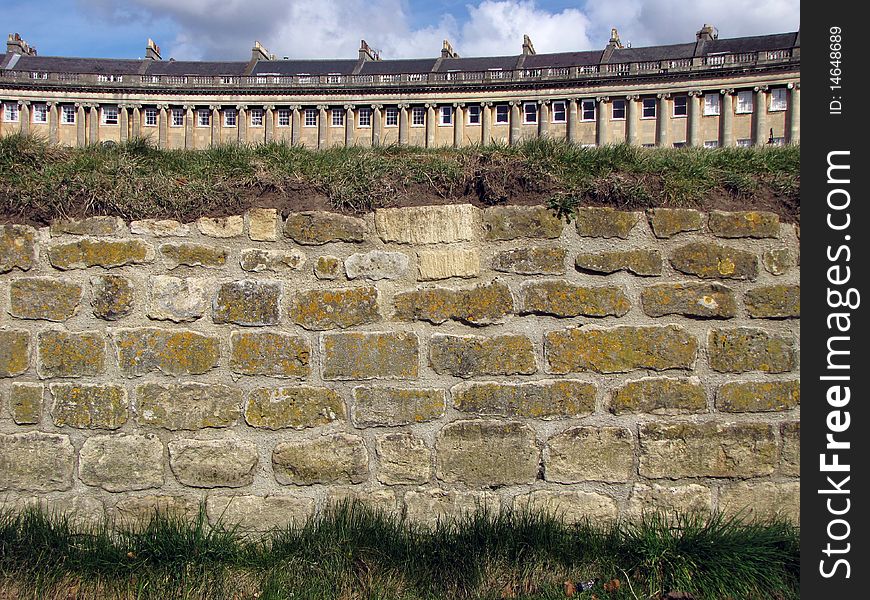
[428, 359]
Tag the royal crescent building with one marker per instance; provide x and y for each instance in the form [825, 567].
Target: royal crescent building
[709, 92]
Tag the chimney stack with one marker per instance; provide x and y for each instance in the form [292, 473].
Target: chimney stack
[707, 33]
[258, 52]
[152, 50]
[614, 42]
[447, 50]
[528, 48]
[366, 52]
[16, 45]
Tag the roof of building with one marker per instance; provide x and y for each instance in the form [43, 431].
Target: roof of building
[394, 67]
[190, 67]
[62, 64]
[478, 63]
[305, 67]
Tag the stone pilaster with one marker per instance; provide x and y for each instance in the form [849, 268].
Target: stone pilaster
[322, 126]
[431, 125]
[377, 123]
[53, 109]
[794, 113]
[296, 123]
[124, 122]
[631, 117]
[693, 135]
[663, 120]
[759, 116]
[269, 122]
[349, 125]
[458, 123]
[601, 105]
[514, 137]
[571, 128]
[543, 118]
[242, 123]
[403, 124]
[485, 123]
[94, 125]
[726, 118]
[162, 126]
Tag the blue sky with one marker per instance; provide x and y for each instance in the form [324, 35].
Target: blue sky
[226, 29]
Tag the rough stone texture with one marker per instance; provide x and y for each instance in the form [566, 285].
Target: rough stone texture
[604, 222]
[660, 396]
[774, 302]
[104, 253]
[702, 300]
[570, 507]
[480, 305]
[668, 222]
[755, 396]
[563, 299]
[668, 501]
[376, 265]
[761, 500]
[790, 459]
[135, 512]
[443, 263]
[95, 226]
[113, 297]
[89, 406]
[708, 260]
[332, 458]
[512, 222]
[553, 399]
[80, 511]
[318, 228]
[428, 224]
[259, 513]
[44, 298]
[293, 407]
[778, 261]
[159, 228]
[171, 352]
[645, 263]
[248, 302]
[256, 260]
[213, 463]
[590, 454]
[178, 299]
[744, 224]
[36, 461]
[193, 255]
[327, 267]
[187, 405]
[17, 247]
[620, 349]
[534, 260]
[486, 453]
[388, 355]
[62, 354]
[472, 356]
[268, 353]
[378, 406]
[403, 458]
[14, 352]
[122, 462]
[221, 227]
[337, 308]
[263, 224]
[25, 403]
[744, 349]
[431, 506]
[673, 450]
[384, 501]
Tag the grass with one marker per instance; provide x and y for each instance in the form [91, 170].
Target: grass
[349, 552]
[40, 182]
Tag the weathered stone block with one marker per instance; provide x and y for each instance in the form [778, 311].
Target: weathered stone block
[25, 403]
[14, 352]
[213, 463]
[384, 501]
[338, 308]
[605, 222]
[79, 510]
[122, 462]
[778, 261]
[391, 407]
[471, 355]
[159, 228]
[63, 354]
[89, 406]
[486, 453]
[674, 450]
[431, 506]
[570, 507]
[702, 300]
[534, 260]
[756, 396]
[36, 461]
[391, 355]
[403, 458]
[668, 222]
[328, 459]
[645, 263]
[135, 512]
[707, 261]
[558, 399]
[443, 263]
[660, 396]
[221, 227]
[293, 407]
[263, 224]
[256, 260]
[670, 501]
[481, 305]
[563, 299]
[620, 349]
[171, 352]
[272, 354]
[95, 226]
[249, 303]
[259, 513]
[17, 247]
[428, 224]
[44, 298]
[744, 224]
[790, 460]
[763, 500]
[188, 405]
[744, 349]
[113, 297]
[178, 299]
[318, 228]
[590, 454]
[193, 255]
[512, 222]
[376, 265]
[327, 267]
[100, 253]
[774, 302]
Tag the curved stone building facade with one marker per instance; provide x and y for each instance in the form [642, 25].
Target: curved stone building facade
[708, 92]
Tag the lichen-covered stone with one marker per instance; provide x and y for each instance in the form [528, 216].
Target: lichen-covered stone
[443, 263]
[357, 355]
[293, 407]
[471, 355]
[377, 406]
[743, 224]
[64, 354]
[213, 463]
[249, 303]
[318, 228]
[335, 458]
[256, 260]
[428, 224]
[188, 405]
[36, 461]
[533, 260]
[327, 267]
[269, 353]
[263, 224]
[380, 500]
[660, 396]
[259, 513]
[338, 308]
[135, 512]
[777, 261]
[113, 297]
[702, 300]
[646, 263]
[95, 226]
[169, 351]
[481, 305]
[668, 222]
[563, 299]
[25, 403]
[14, 352]
[403, 458]
[605, 222]
[669, 501]
[376, 265]
[744, 349]
[428, 507]
[553, 399]
[761, 501]
[79, 511]
[674, 450]
[774, 302]
[790, 456]
[100, 253]
[590, 454]
[757, 396]
[620, 349]
[159, 228]
[86, 406]
[122, 462]
[44, 298]
[193, 255]
[17, 247]
[512, 222]
[178, 299]
[569, 506]
[707, 260]
[486, 453]
[221, 227]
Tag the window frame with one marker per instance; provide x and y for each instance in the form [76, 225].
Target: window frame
[648, 105]
[368, 118]
[475, 111]
[563, 110]
[415, 112]
[683, 107]
[43, 110]
[583, 111]
[173, 121]
[527, 114]
[391, 116]
[145, 112]
[711, 144]
[623, 108]
[257, 114]
[744, 143]
[780, 104]
[66, 111]
[336, 112]
[502, 114]
[226, 114]
[740, 107]
[708, 106]
[105, 116]
[11, 107]
[284, 114]
[445, 116]
[310, 118]
[200, 113]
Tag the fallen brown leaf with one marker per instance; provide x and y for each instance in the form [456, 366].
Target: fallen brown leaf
[570, 589]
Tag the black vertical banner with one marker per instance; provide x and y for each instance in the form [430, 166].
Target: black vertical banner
[835, 269]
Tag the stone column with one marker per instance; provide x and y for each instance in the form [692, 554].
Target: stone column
[376, 124]
[794, 113]
[296, 124]
[726, 118]
[431, 125]
[188, 126]
[349, 125]
[485, 123]
[52, 122]
[543, 118]
[322, 126]
[514, 135]
[663, 121]
[24, 116]
[759, 117]
[80, 124]
[124, 122]
[94, 125]
[403, 124]
[137, 120]
[269, 122]
[215, 124]
[631, 119]
[693, 135]
[163, 126]
[601, 104]
[242, 123]
[571, 133]
[458, 123]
